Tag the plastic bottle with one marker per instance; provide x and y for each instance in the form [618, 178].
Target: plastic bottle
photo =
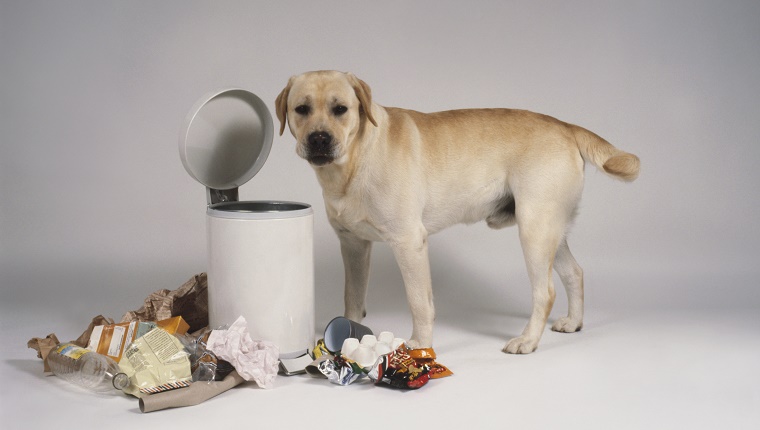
[87, 368]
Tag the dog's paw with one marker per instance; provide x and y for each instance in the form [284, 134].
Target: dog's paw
[567, 325]
[416, 344]
[520, 345]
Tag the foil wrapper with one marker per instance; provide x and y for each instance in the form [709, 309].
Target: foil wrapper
[340, 371]
[204, 364]
[320, 350]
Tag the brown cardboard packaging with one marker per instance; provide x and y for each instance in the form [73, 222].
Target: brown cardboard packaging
[112, 339]
[175, 325]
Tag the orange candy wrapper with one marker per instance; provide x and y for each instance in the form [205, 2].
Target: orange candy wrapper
[426, 356]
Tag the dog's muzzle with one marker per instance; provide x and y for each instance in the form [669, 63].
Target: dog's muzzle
[319, 151]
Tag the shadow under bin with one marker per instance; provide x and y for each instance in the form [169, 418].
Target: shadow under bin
[260, 253]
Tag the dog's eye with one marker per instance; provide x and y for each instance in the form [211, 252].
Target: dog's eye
[340, 110]
[302, 110]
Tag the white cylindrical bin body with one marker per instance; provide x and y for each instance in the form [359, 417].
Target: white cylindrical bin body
[261, 266]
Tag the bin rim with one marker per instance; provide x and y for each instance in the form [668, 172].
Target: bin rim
[259, 209]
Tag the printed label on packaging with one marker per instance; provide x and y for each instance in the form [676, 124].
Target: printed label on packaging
[136, 359]
[130, 334]
[162, 344]
[97, 331]
[72, 351]
[112, 340]
[114, 348]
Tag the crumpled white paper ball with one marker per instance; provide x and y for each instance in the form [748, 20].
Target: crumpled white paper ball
[254, 360]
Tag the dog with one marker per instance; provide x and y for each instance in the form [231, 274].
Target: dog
[398, 176]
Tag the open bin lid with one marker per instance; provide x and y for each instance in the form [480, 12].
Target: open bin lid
[226, 138]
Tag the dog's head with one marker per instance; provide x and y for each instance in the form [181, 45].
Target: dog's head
[324, 110]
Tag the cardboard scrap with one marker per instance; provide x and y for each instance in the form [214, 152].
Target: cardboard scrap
[189, 301]
[43, 346]
[195, 394]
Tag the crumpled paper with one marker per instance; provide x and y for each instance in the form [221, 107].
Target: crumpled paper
[189, 301]
[43, 346]
[254, 360]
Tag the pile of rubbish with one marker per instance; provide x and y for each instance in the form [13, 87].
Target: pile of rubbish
[166, 355]
[384, 359]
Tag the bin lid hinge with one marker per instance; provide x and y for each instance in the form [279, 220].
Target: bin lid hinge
[218, 196]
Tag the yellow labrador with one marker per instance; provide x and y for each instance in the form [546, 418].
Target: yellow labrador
[397, 176]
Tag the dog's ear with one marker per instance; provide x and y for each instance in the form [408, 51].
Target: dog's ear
[281, 105]
[364, 94]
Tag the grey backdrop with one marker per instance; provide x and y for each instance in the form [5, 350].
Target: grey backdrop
[97, 210]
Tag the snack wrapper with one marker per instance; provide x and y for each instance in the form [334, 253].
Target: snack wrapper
[408, 369]
[155, 362]
[385, 359]
[320, 349]
[426, 356]
[399, 370]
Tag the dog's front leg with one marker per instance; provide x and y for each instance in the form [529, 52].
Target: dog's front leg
[412, 256]
[356, 256]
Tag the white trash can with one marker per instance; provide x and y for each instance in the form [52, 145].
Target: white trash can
[260, 253]
[261, 266]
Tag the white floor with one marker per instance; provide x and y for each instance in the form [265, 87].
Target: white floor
[666, 369]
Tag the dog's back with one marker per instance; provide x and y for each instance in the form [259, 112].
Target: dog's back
[450, 135]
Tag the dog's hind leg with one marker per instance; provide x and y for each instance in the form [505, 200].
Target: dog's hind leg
[571, 275]
[356, 257]
[541, 229]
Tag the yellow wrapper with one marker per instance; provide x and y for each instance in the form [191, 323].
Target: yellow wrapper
[154, 360]
[320, 349]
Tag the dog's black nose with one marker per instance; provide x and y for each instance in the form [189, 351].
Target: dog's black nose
[320, 140]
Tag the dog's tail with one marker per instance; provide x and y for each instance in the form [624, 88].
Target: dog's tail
[616, 163]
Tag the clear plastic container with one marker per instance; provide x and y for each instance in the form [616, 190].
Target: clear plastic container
[87, 369]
